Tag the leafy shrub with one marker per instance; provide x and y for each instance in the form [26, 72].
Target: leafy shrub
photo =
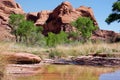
[85, 26]
[54, 39]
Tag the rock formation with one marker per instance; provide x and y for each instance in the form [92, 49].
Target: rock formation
[32, 16]
[21, 58]
[52, 21]
[105, 35]
[97, 61]
[42, 17]
[8, 7]
[60, 18]
[63, 15]
[39, 18]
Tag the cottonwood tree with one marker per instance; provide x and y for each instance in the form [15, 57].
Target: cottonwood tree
[14, 22]
[85, 26]
[24, 30]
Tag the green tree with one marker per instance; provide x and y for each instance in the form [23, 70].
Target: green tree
[14, 22]
[55, 39]
[115, 15]
[29, 33]
[25, 31]
[85, 27]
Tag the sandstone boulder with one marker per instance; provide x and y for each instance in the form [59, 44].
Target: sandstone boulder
[21, 58]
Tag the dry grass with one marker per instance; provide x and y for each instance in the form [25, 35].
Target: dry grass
[63, 50]
[15, 47]
[3, 63]
[89, 48]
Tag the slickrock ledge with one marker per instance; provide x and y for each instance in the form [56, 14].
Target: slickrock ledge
[97, 61]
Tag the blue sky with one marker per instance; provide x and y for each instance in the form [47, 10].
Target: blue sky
[101, 9]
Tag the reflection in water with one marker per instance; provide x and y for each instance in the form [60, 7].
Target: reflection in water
[63, 72]
[110, 76]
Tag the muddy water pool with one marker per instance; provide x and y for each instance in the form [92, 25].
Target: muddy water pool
[69, 72]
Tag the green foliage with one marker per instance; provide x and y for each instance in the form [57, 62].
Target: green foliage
[116, 6]
[30, 33]
[54, 39]
[14, 22]
[37, 38]
[115, 15]
[50, 40]
[25, 31]
[85, 26]
[25, 28]
[62, 37]
[74, 34]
